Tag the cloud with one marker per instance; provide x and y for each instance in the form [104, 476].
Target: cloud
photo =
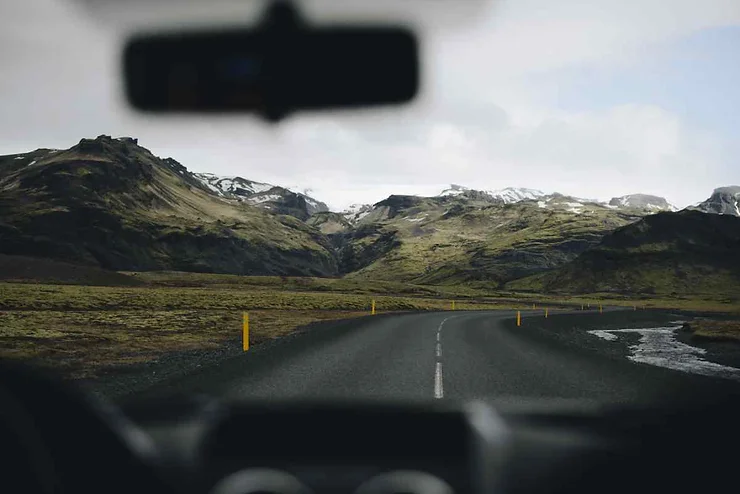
[490, 115]
[625, 149]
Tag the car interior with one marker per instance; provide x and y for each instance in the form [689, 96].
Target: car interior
[58, 439]
[55, 438]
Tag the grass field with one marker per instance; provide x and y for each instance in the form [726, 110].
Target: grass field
[696, 304]
[297, 283]
[83, 330]
[718, 330]
[473, 291]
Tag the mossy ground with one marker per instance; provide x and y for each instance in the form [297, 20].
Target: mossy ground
[84, 329]
[717, 330]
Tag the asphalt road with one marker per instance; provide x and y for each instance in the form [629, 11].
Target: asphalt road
[453, 356]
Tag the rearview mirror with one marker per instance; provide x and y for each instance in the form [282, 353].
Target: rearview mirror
[279, 67]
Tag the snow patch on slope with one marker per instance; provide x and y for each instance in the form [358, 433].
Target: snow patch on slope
[231, 185]
[263, 198]
[516, 194]
[508, 195]
[416, 220]
[356, 212]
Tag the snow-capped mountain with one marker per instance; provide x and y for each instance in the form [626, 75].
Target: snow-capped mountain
[232, 186]
[516, 194]
[724, 200]
[454, 190]
[356, 212]
[642, 201]
[511, 195]
[314, 205]
[570, 204]
[268, 196]
[507, 195]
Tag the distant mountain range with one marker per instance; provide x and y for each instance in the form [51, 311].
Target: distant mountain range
[642, 201]
[512, 195]
[507, 195]
[110, 203]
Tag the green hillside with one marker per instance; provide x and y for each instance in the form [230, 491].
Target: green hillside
[458, 239]
[111, 203]
[684, 253]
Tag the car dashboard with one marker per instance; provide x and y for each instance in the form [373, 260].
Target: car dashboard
[58, 439]
[330, 447]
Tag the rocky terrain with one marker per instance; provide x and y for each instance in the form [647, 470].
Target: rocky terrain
[113, 204]
[271, 197]
[724, 200]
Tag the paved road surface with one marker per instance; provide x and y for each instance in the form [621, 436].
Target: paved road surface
[447, 355]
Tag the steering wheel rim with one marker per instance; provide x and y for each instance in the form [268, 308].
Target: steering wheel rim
[18, 423]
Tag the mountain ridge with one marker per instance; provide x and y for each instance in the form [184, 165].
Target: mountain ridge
[670, 253]
[273, 197]
[724, 200]
[235, 186]
[112, 203]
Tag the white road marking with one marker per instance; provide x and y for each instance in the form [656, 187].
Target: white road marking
[443, 323]
[438, 388]
[659, 347]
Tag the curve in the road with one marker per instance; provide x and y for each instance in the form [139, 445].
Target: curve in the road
[460, 356]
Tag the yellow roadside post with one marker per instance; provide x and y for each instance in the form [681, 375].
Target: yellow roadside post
[635, 307]
[518, 318]
[581, 306]
[601, 309]
[372, 309]
[545, 312]
[245, 332]
[453, 305]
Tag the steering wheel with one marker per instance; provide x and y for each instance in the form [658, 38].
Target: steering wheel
[56, 439]
[27, 460]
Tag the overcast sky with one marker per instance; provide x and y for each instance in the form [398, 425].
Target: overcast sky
[590, 98]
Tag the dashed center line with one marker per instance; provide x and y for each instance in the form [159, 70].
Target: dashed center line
[438, 387]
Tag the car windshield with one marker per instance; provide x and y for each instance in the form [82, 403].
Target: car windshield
[555, 216]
